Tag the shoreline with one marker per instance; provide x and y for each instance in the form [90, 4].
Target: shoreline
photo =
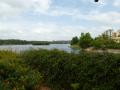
[116, 51]
[91, 49]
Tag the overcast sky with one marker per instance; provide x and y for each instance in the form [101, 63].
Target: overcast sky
[56, 19]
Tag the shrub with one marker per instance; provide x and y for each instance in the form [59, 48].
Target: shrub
[7, 54]
[14, 74]
[84, 71]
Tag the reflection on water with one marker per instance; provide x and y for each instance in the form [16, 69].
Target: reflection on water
[18, 48]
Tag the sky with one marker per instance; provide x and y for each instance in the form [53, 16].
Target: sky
[47, 20]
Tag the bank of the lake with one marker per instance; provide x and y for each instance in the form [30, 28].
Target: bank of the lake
[99, 50]
[102, 50]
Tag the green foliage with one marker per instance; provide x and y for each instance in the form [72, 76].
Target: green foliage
[14, 74]
[59, 70]
[75, 86]
[60, 42]
[84, 71]
[114, 46]
[101, 42]
[74, 40]
[7, 54]
[105, 42]
[39, 42]
[22, 42]
[85, 40]
[12, 41]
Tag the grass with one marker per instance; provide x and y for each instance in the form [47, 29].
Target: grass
[75, 46]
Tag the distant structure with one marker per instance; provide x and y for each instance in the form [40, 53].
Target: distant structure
[108, 33]
[116, 36]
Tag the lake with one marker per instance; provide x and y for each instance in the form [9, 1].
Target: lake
[19, 48]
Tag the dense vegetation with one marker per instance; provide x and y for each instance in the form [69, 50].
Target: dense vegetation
[16, 75]
[22, 42]
[59, 70]
[84, 71]
[101, 42]
[60, 42]
[85, 40]
[74, 40]
[105, 42]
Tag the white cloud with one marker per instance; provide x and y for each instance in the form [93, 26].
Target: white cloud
[43, 31]
[12, 7]
[104, 18]
[6, 9]
[109, 17]
[42, 5]
[116, 3]
[59, 11]
[25, 29]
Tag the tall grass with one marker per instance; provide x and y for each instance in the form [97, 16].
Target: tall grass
[7, 54]
[16, 75]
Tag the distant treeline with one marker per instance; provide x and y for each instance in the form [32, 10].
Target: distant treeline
[60, 42]
[24, 42]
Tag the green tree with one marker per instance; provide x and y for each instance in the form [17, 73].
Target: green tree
[103, 41]
[74, 40]
[85, 40]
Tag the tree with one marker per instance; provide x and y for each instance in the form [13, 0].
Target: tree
[74, 40]
[85, 40]
[103, 41]
[98, 42]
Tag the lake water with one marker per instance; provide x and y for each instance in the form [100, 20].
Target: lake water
[19, 48]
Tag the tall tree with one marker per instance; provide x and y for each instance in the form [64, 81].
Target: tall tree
[103, 41]
[85, 40]
[74, 40]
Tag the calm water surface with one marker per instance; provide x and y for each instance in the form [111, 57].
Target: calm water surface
[19, 48]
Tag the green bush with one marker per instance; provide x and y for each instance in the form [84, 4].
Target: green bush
[84, 71]
[7, 54]
[59, 70]
[85, 40]
[14, 74]
[74, 40]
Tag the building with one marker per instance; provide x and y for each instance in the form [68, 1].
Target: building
[108, 33]
[116, 36]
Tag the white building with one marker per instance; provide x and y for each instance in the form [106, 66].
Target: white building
[116, 36]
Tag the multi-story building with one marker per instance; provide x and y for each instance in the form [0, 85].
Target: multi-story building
[116, 36]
